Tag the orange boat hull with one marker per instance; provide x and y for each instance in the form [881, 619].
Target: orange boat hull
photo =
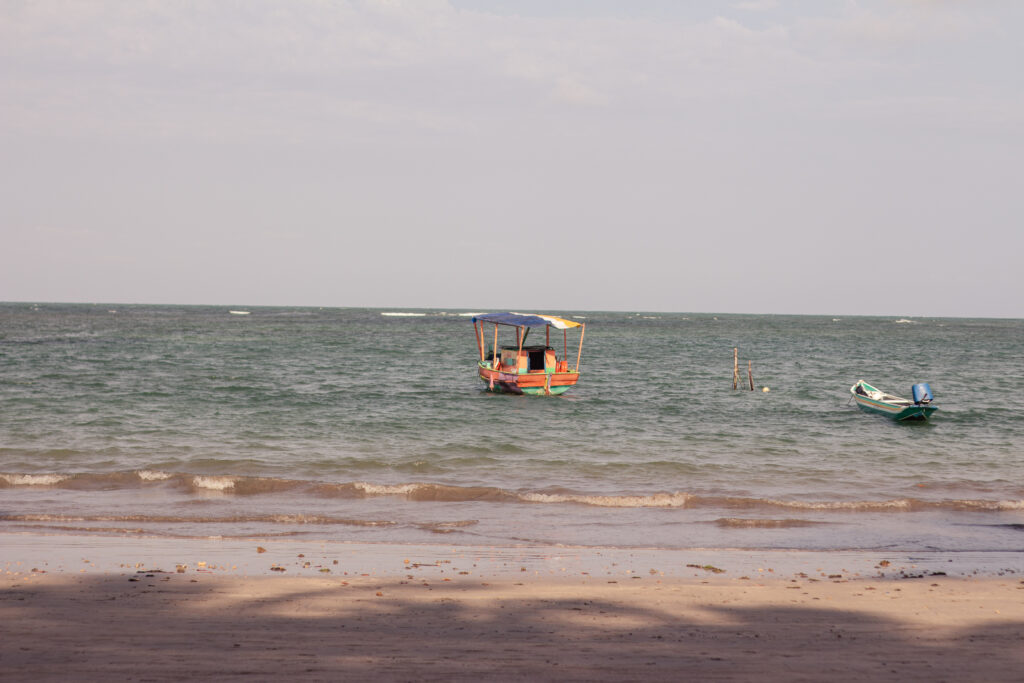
[528, 383]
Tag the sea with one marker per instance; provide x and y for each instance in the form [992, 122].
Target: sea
[352, 425]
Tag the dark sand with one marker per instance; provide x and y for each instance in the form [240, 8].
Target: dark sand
[452, 620]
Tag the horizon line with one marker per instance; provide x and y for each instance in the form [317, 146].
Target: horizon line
[502, 308]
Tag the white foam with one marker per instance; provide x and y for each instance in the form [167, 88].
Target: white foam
[402, 314]
[900, 504]
[151, 475]
[657, 500]
[989, 505]
[33, 479]
[383, 490]
[214, 483]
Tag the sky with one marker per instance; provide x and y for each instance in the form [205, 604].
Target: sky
[844, 157]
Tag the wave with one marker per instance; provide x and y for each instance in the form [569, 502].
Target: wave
[214, 483]
[656, 500]
[384, 490]
[287, 519]
[743, 523]
[240, 485]
[447, 527]
[33, 479]
[149, 532]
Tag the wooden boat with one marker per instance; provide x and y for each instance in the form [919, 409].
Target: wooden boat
[872, 400]
[522, 369]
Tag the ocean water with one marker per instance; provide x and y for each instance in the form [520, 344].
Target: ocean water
[360, 425]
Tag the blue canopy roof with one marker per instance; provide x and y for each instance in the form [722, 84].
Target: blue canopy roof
[526, 320]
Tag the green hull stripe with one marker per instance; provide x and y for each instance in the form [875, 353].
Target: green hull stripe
[895, 412]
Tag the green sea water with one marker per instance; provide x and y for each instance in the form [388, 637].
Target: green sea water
[361, 425]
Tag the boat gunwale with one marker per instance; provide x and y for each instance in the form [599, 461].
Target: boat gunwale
[896, 407]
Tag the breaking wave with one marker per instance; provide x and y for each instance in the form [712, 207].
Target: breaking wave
[742, 523]
[33, 479]
[434, 492]
[657, 500]
[214, 483]
[291, 520]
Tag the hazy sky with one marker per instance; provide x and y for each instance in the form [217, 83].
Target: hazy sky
[835, 157]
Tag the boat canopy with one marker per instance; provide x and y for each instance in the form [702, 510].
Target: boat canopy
[526, 320]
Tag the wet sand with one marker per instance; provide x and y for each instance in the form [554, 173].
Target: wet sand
[589, 616]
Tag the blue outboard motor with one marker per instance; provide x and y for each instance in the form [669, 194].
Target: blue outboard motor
[922, 393]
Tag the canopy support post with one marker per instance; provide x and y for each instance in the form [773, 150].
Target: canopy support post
[519, 354]
[583, 330]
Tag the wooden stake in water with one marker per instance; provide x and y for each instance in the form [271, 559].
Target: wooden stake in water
[750, 376]
[735, 367]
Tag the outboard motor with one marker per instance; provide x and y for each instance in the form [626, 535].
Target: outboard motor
[922, 393]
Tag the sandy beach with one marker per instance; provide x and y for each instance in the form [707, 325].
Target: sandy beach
[594, 617]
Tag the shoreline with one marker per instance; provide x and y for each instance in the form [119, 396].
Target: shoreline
[38, 552]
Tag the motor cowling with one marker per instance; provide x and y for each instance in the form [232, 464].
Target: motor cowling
[922, 393]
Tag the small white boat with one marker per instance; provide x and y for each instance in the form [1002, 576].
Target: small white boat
[239, 312]
[872, 400]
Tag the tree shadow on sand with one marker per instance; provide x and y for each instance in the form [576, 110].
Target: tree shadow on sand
[164, 627]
